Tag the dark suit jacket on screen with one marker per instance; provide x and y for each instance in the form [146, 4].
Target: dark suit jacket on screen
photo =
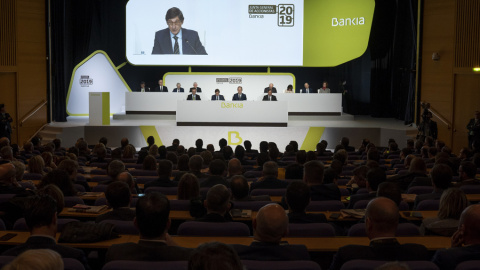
[157, 89]
[383, 249]
[190, 97]
[199, 90]
[147, 251]
[43, 242]
[274, 90]
[163, 42]
[220, 97]
[235, 97]
[265, 98]
[181, 90]
[272, 252]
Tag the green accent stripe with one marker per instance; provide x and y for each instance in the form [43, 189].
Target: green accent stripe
[106, 108]
[313, 137]
[121, 65]
[151, 131]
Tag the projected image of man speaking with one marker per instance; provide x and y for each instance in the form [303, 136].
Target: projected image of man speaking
[175, 39]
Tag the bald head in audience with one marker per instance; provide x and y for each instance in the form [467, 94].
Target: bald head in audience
[234, 167]
[313, 172]
[271, 224]
[115, 168]
[270, 169]
[468, 232]
[7, 174]
[381, 218]
[127, 178]
[218, 200]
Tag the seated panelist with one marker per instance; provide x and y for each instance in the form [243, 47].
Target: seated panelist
[195, 86]
[178, 89]
[143, 88]
[239, 95]
[217, 95]
[270, 87]
[269, 97]
[307, 89]
[193, 95]
[160, 87]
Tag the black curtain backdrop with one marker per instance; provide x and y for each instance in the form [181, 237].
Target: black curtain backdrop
[379, 83]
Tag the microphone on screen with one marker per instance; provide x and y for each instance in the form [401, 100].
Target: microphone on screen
[186, 40]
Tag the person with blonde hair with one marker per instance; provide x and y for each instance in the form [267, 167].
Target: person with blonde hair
[36, 165]
[452, 202]
[129, 151]
[36, 259]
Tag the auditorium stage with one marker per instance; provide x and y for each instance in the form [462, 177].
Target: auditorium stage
[306, 130]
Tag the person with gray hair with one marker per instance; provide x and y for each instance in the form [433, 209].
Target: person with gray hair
[234, 167]
[19, 170]
[269, 179]
[381, 221]
[269, 226]
[217, 205]
[8, 181]
[36, 259]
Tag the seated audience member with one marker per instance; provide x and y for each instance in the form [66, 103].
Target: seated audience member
[240, 188]
[48, 160]
[381, 221]
[321, 149]
[301, 157]
[36, 165]
[41, 218]
[36, 259]
[100, 153]
[297, 198]
[391, 191]
[313, 177]
[71, 167]
[217, 172]
[149, 163]
[311, 156]
[330, 176]
[150, 142]
[234, 167]
[269, 178]
[452, 203]
[191, 151]
[240, 154]
[195, 165]
[182, 164]
[359, 177]
[173, 147]
[153, 221]
[227, 152]
[375, 176]
[115, 167]
[465, 243]
[127, 178]
[467, 172]
[199, 146]
[217, 205]
[345, 142]
[294, 171]
[118, 198]
[261, 159]
[214, 255]
[248, 148]
[19, 170]
[441, 175]
[164, 173]
[61, 179]
[269, 226]
[8, 181]
[188, 187]
[295, 145]
[337, 165]
[6, 153]
[207, 158]
[417, 168]
[129, 152]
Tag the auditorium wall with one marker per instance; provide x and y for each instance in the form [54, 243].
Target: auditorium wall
[23, 64]
[451, 29]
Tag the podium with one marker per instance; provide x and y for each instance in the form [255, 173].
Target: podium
[99, 108]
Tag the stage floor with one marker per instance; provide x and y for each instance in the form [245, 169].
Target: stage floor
[306, 130]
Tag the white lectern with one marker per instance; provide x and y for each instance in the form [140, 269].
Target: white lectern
[99, 108]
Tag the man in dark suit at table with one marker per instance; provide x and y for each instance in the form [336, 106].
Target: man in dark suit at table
[269, 178]
[193, 95]
[41, 218]
[269, 226]
[297, 198]
[313, 173]
[118, 197]
[269, 97]
[217, 204]
[270, 87]
[153, 221]
[161, 87]
[164, 171]
[217, 95]
[175, 39]
[465, 241]
[217, 170]
[239, 95]
[195, 86]
[307, 90]
[143, 88]
[179, 88]
[381, 221]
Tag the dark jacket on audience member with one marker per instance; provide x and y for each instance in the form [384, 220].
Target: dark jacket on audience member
[214, 217]
[420, 181]
[429, 196]
[262, 251]
[121, 213]
[214, 180]
[404, 180]
[447, 259]
[387, 249]
[325, 192]
[306, 218]
[146, 250]
[46, 242]
[359, 197]
[161, 182]
[269, 183]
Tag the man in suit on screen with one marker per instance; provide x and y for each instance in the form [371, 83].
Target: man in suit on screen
[193, 95]
[217, 95]
[175, 39]
[269, 97]
[195, 86]
[161, 87]
[270, 87]
[179, 88]
[307, 90]
[239, 95]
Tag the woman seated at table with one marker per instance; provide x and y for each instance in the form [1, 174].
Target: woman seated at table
[289, 89]
[452, 203]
